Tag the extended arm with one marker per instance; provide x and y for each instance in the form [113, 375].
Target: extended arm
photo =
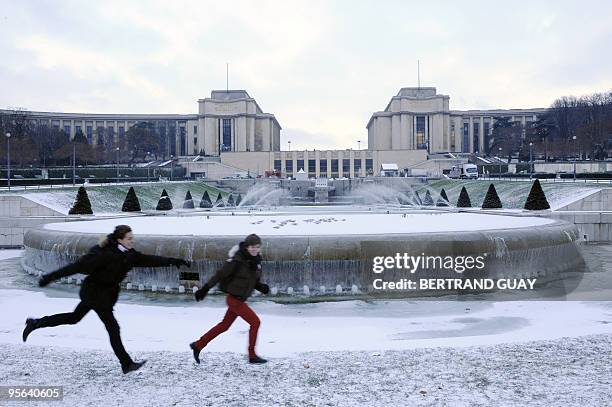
[84, 265]
[150, 260]
[224, 272]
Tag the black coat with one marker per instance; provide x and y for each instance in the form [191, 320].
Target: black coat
[240, 274]
[105, 268]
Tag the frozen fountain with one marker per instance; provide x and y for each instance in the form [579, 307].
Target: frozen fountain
[320, 249]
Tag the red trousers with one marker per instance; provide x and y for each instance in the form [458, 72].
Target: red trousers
[235, 308]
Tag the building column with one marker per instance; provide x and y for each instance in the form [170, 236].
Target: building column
[481, 136]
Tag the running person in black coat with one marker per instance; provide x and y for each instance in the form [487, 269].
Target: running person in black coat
[238, 277]
[105, 265]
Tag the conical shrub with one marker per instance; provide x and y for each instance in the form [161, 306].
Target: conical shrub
[428, 200]
[536, 201]
[491, 200]
[464, 199]
[131, 202]
[219, 202]
[164, 203]
[81, 206]
[230, 201]
[442, 199]
[238, 200]
[205, 202]
[417, 198]
[188, 204]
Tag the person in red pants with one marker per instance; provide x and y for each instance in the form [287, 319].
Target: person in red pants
[238, 277]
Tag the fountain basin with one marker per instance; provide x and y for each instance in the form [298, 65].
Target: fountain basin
[323, 248]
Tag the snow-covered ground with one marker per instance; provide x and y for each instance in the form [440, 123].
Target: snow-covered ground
[309, 224]
[108, 198]
[563, 372]
[332, 326]
[513, 194]
[374, 353]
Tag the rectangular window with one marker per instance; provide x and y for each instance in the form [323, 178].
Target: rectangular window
[226, 144]
[277, 165]
[334, 165]
[475, 137]
[89, 134]
[323, 167]
[172, 139]
[100, 135]
[78, 129]
[183, 140]
[346, 166]
[357, 166]
[289, 165]
[300, 165]
[121, 131]
[369, 166]
[420, 133]
[67, 128]
[312, 166]
[195, 129]
[466, 141]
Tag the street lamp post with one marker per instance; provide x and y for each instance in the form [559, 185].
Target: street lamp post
[358, 144]
[73, 162]
[148, 168]
[117, 150]
[575, 157]
[530, 161]
[8, 159]
[500, 161]
[289, 142]
[171, 166]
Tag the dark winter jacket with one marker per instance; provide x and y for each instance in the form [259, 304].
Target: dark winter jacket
[240, 274]
[105, 268]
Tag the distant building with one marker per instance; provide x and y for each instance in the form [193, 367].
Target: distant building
[231, 134]
[420, 119]
[227, 121]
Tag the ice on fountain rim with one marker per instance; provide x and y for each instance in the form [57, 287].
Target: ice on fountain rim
[353, 224]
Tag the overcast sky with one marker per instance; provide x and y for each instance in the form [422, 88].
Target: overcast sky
[322, 68]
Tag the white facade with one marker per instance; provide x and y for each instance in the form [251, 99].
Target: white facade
[419, 118]
[322, 163]
[231, 128]
[233, 121]
[246, 128]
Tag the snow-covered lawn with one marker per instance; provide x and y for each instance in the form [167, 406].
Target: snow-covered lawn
[309, 224]
[563, 372]
[332, 326]
[349, 353]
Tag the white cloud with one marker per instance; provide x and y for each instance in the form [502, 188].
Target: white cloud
[321, 67]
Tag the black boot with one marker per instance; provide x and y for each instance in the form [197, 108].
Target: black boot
[132, 366]
[196, 352]
[31, 324]
[257, 360]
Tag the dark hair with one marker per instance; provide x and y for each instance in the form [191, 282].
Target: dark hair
[252, 240]
[119, 233]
